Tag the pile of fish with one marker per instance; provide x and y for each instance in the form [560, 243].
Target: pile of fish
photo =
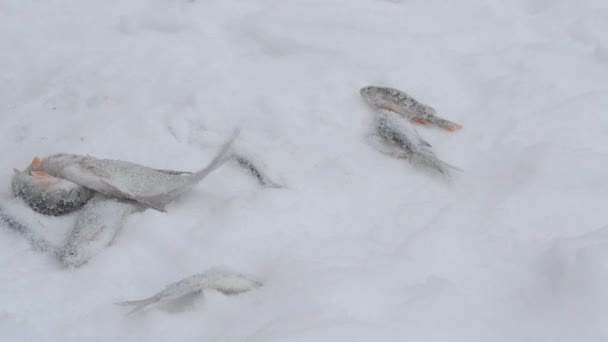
[395, 133]
[107, 191]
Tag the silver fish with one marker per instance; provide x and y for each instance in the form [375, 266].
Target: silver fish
[48, 195]
[406, 143]
[224, 281]
[402, 103]
[249, 166]
[121, 179]
[97, 224]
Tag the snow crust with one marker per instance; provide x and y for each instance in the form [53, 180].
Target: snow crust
[357, 246]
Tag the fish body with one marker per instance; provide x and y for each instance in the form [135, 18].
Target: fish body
[49, 195]
[126, 180]
[402, 103]
[401, 135]
[97, 224]
[224, 281]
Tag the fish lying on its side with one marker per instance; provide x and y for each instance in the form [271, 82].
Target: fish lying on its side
[400, 102]
[53, 196]
[226, 282]
[405, 142]
[121, 179]
[49, 195]
[97, 224]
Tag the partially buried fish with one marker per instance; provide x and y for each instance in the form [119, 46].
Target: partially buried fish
[403, 141]
[97, 224]
[50, 195]
[46, 194]
[15, 225]
[126, 180]
[402, 103]
[224, 281]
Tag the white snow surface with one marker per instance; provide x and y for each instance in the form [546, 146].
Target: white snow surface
[357, 246]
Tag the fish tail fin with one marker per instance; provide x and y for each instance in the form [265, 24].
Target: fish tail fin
[220, 158]
[430, 160]
[159, 202]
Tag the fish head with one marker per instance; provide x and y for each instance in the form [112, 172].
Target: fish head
[380, 97]
[74, 256]
[370, 93]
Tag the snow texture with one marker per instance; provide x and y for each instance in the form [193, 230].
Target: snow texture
[356, 246]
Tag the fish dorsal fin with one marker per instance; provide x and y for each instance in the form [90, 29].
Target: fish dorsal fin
[36, 163]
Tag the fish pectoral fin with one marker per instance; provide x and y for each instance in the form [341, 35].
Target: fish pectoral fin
[421, 121]
[43, 178]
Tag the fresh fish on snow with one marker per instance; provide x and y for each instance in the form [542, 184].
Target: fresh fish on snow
[121, 179]
[404, 141]
[46, 194]
[97, 224]
[224, 281]
[402, 103]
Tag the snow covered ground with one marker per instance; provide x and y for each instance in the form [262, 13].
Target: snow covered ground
[358, 246]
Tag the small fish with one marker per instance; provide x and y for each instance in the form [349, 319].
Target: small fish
[224, 281]
[254, 170]
[97, 224]
[403, 137]
[46, 194]
[402, 103]
[121, 179]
